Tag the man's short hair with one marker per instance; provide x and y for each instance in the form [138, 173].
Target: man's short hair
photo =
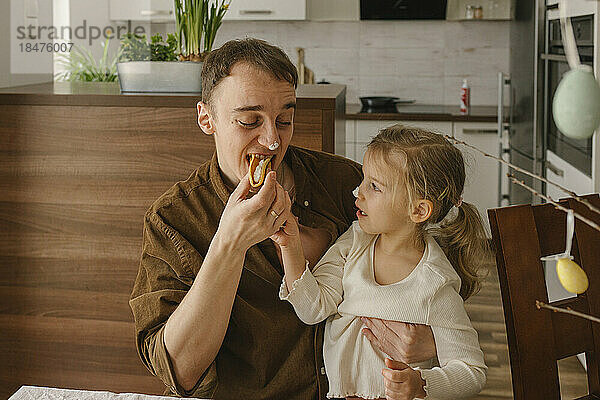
[256, 52]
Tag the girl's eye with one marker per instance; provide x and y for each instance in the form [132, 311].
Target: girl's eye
[248, 124]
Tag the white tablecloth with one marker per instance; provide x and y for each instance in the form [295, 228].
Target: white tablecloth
[47, 393]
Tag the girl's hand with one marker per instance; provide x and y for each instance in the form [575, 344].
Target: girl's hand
[410, 343]
[402, 382]
[289, 234]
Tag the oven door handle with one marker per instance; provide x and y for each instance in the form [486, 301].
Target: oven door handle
[554, 57]
[555, 170]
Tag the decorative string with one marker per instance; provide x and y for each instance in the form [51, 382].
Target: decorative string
[516, 168]
[541, 304]
[549, 200]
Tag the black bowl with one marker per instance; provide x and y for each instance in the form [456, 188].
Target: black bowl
[382, 101]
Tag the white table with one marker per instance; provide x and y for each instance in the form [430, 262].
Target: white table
[47, 393]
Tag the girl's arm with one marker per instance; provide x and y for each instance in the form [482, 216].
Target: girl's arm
[314, 294]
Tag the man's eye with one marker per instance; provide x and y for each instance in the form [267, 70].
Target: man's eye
[284, 123]
[248, 124]
[374, 186]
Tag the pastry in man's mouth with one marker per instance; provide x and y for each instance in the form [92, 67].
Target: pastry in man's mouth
[259, 166]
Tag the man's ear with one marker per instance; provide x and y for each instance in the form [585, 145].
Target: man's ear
[421, 211]
[205, 120]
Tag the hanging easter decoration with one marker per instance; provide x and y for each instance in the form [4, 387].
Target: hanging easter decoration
[576, 103]
[571, 276]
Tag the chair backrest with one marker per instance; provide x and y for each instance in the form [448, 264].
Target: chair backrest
[538, 338]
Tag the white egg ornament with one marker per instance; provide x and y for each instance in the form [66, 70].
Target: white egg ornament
[576, 104]
[571, 276]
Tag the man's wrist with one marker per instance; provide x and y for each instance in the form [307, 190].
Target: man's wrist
[225, 244]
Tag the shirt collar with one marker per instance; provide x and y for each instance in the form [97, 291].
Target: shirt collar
[218, 184]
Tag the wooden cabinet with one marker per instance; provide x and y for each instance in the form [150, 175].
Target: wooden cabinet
[141, 10]
[81, 163]
[262, 10]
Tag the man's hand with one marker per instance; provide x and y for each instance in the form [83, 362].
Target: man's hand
[402, 382]
[247, 221]
[409, 343]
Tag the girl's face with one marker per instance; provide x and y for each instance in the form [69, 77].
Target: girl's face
[378, 210]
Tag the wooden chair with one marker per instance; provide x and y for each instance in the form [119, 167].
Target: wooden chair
[538, 338]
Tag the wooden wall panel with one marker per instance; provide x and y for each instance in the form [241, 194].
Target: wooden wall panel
[75, 182]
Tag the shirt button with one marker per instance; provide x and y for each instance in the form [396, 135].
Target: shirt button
[322, 370]
[306, 203]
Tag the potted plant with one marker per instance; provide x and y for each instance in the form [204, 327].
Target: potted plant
[80, 66]
[197, 22]
[174, 66]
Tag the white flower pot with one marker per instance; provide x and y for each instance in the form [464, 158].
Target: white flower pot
[160, 76]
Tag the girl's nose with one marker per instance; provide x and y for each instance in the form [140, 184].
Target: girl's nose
[355, 192]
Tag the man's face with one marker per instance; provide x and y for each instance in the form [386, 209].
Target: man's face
[250, 111]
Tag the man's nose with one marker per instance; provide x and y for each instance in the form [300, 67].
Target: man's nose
[268, 134]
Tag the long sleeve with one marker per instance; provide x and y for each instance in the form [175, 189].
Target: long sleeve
[316, 295]
[164, 277]
[462, 371]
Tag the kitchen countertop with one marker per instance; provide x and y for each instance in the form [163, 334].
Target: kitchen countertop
[109, 94]
[424, 112]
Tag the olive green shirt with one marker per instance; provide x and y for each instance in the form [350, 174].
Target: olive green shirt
[267, 353]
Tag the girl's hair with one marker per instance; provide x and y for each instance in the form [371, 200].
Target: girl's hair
[431, 168]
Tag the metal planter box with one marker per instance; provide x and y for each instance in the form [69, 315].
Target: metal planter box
[160, 76]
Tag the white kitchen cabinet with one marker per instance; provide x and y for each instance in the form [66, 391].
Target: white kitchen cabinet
[333, 10]
[481, 185]
[142, 10]
[262, 10]
[365, 130]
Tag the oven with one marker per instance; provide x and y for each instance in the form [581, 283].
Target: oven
[575, 152]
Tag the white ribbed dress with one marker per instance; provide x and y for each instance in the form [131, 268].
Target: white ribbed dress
[342, 287]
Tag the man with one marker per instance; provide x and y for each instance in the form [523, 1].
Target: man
[209, 322]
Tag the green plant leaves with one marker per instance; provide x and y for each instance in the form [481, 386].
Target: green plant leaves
[80, 65]
[197, 22]
[136, 48]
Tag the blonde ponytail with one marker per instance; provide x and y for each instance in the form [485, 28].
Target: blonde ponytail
[465, 243]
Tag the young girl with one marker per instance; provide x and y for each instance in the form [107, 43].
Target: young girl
[412, 256]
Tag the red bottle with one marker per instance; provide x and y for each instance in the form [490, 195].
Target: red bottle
[465, 98]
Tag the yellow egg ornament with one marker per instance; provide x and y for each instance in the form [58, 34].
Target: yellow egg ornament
[571, 276]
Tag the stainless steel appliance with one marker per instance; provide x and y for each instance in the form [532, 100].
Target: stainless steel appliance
[403, 9]
[577, 153]
[525, 145]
